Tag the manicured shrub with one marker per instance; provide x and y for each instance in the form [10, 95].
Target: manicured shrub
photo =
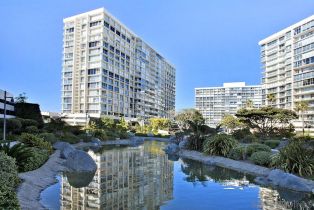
[101, 134]
[256, 147]
[69, 137]
[249, 139]
[27, 158]
[12, 125]
[240, 134]
[238, 153]
[29, 111]
[34, 161]
[35, 141]
[220, 144]
[123, 135]
[272, 143]
[31, 129]
[261, 158]
[28, 122]
[295, 158]
[49, 137]
[8, 182]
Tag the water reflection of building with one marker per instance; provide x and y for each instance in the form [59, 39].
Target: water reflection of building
[129, 178]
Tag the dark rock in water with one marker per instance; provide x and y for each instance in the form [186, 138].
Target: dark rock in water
[80, 179]
[80, 161]
[172, 148]
[173, 157]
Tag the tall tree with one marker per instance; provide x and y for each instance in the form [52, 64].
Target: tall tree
[230, 122]
[301, 107]
[267, 120]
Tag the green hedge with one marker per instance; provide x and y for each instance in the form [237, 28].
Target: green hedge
[49, 137]
[238, 153]
[37, 158]
[35, 141]
[261, 158]
[8, 182]
[256, 147]
[29, 111]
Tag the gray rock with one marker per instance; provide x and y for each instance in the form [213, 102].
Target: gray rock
[172, 148]
[80, 161]
[282, 144]
[184, 143]
[60, 145]
[65, 149]
[96, 141]
[282, 179]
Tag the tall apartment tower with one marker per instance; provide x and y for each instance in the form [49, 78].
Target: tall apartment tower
[287, 59]
[216, 102]
[109, 70]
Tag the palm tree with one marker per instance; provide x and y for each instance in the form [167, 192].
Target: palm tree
[271, 98]
[249, 104]
[302, 107]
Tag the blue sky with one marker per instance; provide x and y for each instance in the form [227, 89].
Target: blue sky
[209, 42]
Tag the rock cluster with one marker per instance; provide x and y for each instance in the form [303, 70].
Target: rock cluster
[76, 160]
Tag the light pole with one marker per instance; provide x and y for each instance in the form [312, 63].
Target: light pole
[4, 113]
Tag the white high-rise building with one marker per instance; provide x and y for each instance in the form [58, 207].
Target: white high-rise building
[216, 102]
[288, 68]
[109, 71]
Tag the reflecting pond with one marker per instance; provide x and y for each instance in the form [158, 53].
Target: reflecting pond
[144, 177]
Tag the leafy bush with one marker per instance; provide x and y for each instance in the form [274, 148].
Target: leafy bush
[31, 129]
[240, 134]
[101, 134]
[220, 144]
[35, 141]
[28, 122]
[295, 158]
[8, 182]
[196, 142]
[256, 147]
[12, 125]
[123, 135]
[68, 137]
[238, 153]
[261, 158]
[29, 111]
[27, 158]
[249, 139]
[272, 143]
[49, 137]
[37, 158]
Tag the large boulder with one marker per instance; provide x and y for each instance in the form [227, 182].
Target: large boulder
[282, 144]
[286, 180]
[80, 161]
[172, 149]
[65, 149]
[184, 143]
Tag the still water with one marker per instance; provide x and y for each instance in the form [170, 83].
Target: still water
[144, 177]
